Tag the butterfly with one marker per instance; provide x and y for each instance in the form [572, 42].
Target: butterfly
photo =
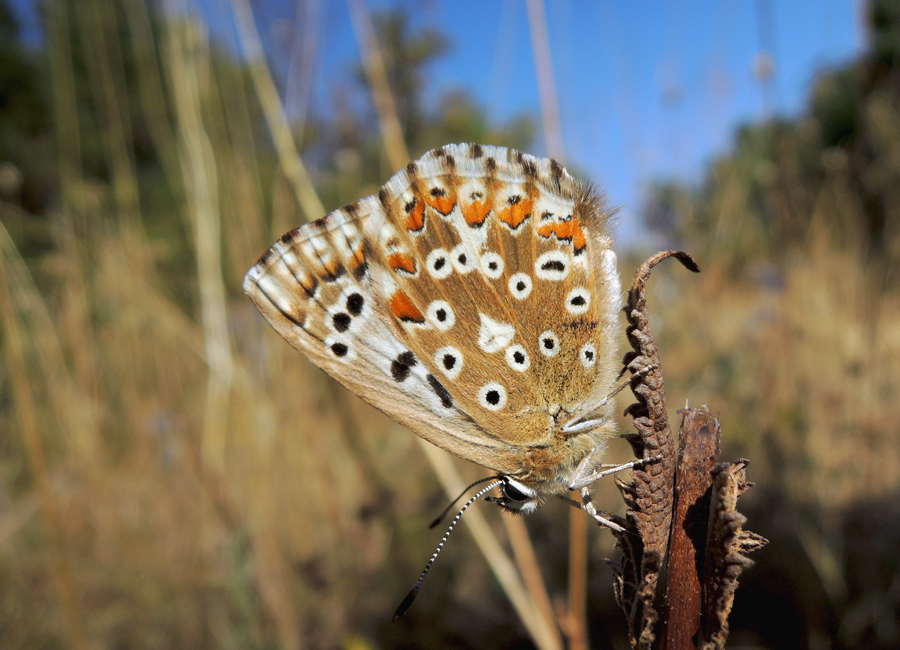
[474, 299]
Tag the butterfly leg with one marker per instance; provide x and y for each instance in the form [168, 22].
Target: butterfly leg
[580, 481]
[588, 506]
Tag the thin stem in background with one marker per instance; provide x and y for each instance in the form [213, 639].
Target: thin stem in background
[538, 621]
[288, 155]
[576, 616]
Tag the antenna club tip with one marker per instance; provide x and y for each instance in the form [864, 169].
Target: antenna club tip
[406, 604]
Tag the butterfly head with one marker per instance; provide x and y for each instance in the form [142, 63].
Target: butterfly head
[516, 497]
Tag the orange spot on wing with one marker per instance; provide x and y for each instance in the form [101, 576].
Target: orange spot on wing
[404, 309]
[569, 230]
[475, 213]
[443, 204]
[402, 262]
[515, 214]
[415, 219]
[358, 264]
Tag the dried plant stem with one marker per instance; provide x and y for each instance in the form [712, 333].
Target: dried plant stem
[649, 496]
[373, 64]
[543, 64]
[538, 620]
[527, 561]
[201, 184]
[288, 155]
[698, 451]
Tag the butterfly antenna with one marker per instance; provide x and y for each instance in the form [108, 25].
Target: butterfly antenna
[411, 596]
[444, 512]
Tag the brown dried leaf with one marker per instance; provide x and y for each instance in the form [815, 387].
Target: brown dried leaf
[649, 495]
[726, 552]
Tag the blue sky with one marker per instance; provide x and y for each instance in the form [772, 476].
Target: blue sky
[647, 90]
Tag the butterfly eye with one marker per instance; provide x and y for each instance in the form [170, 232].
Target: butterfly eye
[512, 492]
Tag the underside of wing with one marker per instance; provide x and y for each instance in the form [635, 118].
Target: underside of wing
[496, 267]
[315, 287]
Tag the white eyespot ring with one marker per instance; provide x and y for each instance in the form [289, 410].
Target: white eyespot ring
[578, 301]
[548, 343]
[517, 358]
[463, 259]
[492, 396]
[552, 265]
[438, 264]
[441, 315]
[520, 286]
[588, 355]
[449, 360]
[492, 265]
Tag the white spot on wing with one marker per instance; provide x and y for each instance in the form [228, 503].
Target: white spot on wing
[552, 265]
[548, 343]
[438, 264]
[463, 259]
[588, 355]
[520, 286]
[493, 335]
[492, 396]
[449, 360]
[441, 315]
[517, 358]
[492, 265]
[578, 301]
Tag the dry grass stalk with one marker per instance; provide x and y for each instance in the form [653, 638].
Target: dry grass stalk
[528, 593]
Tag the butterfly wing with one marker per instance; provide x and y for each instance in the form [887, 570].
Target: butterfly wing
[497, 267]
[474, 300]
[314, 286]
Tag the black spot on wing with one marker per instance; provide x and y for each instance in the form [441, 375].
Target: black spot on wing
[442, 393]
[355, 303]
[384, 198]
[475, 151]
[400, 367]
[553, 265]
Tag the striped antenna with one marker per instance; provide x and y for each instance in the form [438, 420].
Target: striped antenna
[444, 512]
[411, 596]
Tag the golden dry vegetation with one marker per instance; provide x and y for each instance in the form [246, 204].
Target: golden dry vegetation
[173, 475]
